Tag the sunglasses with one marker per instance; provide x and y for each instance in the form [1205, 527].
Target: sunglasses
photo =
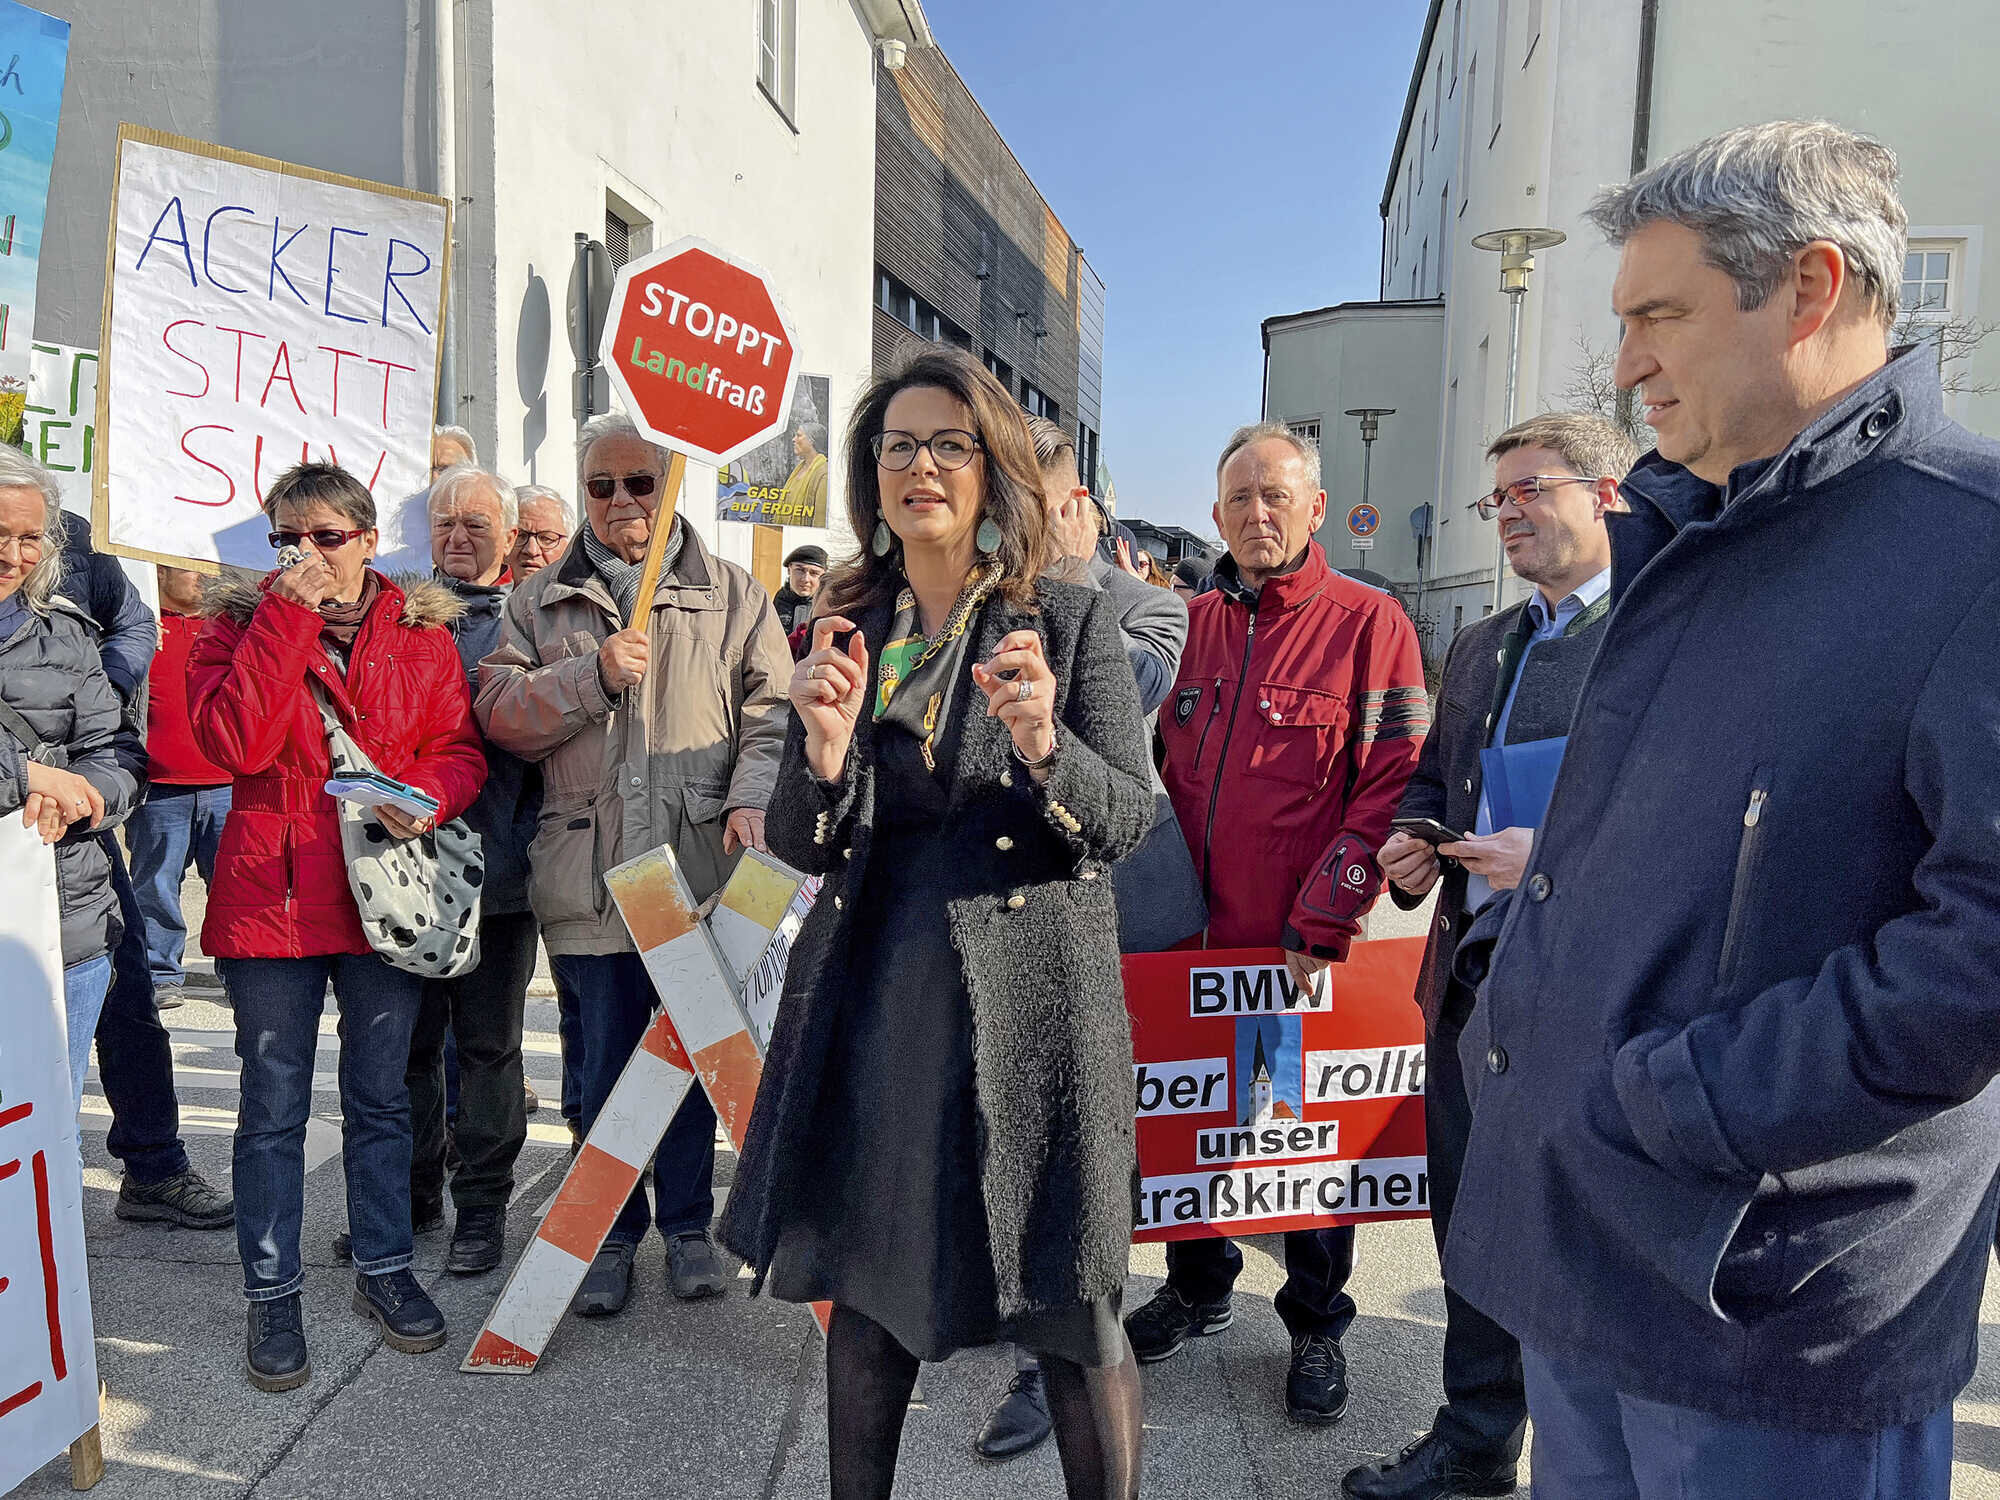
[638, 486]
[325, 541]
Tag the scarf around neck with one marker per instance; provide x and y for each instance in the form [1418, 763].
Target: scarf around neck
[916, 677]
[620, 576]
[340, 623]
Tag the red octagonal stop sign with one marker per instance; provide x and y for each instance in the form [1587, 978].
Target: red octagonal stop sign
[701, 351]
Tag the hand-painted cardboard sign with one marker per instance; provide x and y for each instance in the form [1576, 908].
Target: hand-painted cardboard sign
[1265, 1107]
[258, 313]
[48, 1358]
[700, 350]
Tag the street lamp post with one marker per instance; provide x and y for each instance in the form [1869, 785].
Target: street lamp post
[1371, 428]
[1517, 249]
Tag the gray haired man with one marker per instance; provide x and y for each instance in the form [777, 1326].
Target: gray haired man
[1731, 1171]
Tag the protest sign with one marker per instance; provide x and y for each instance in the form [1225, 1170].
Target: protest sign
[1264, 1107]
[59, 428]
[31, 90]
[783, 482]
[48, 1358]
[258, 313]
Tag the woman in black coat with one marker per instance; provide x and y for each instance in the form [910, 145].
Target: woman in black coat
[943, 1147]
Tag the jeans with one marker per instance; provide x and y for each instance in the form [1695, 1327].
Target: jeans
[614, 1003]
[1317, 1265]
[483, 1010]
[83, 998]
[278, 1003]
[173, 825]
[1486, 1408]
[569, 1031]
[135, 1060]
[1592, 1442]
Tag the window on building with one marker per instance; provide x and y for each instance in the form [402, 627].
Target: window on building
[1450, 440]
[1002, 371]
[1444, 222]
[1424, 263]
[1499, 68]
[1307, 430]
[1457, 619]
[915, 314]
[777, 53]
[1037, 402]
[1437, 100]
[1423, 126]
[628, 234]
[1927, 279]
[1086, 454]
[1457, 34]
[1465, 129]
[1534, 30]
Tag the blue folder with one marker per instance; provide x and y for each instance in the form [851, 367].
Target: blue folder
[1516, 780]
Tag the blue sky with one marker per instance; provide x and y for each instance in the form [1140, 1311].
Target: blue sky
[1218, 163]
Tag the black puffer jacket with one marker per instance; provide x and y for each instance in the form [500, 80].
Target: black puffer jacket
[50, 675]
[1034, 921]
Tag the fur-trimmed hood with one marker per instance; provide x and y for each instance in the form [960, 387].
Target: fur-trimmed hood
[427, 605]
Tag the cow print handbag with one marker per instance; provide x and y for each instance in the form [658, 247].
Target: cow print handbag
[419, 898]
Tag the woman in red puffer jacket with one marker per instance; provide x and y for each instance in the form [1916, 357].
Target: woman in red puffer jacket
[282, 920]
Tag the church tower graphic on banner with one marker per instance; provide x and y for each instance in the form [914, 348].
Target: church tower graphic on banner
[1262, 1106]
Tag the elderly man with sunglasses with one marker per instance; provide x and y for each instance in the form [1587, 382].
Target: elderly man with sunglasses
[666, 734]
[1510, 680]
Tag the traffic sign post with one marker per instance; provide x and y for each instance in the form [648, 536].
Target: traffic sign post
[1363, 521]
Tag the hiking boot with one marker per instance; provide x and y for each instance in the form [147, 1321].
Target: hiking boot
[1020, 1421]
[478, 1242]
[275, 1356]
[186, 1200]
[606, 1284]
[1158, 1329]
[692, 1268]
[411, 1322]
[431, 1223]
[1316, 1390]
[1432, 1469]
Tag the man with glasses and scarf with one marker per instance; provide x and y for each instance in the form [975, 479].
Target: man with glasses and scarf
[1510, 679]
[669, 733]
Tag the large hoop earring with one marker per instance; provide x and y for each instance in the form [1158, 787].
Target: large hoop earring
[987, 539]
[883, 540]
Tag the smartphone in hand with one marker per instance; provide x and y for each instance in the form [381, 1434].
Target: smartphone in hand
[1430, 830]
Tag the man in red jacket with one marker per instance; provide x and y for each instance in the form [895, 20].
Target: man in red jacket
[1290, 732]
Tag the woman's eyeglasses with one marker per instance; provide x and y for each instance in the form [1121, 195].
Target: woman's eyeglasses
[1522, 492]
[326, 541]
[950, 448]
[638, 486]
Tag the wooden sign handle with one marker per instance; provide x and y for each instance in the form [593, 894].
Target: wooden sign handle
[656, 549]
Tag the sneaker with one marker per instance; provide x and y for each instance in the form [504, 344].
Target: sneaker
[1432, 1469]
[478, 1241]
[532, 1099]
[1316, 1390]
[186, 1200]
[1021, 1420]
[692, 1269]
[1158, 1329]
[606, 1285]
[411, 1322]
[171, 998]
[343, 1243]
[275, 1356]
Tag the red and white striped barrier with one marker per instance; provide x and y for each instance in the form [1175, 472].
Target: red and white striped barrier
[699, 968]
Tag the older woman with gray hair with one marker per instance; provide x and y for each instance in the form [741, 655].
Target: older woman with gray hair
[668, 733]
[68, 764]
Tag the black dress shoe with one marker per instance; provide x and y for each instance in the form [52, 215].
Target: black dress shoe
[606, 1285]
[275, 1357]
[1431, 1469]
[1169, 1320]
[1020, 1421]
[478, 1242]
[1316, 1389]
[411, 1322]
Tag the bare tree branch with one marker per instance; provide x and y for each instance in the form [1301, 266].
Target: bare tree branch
[1591, 388]
[1955, 341]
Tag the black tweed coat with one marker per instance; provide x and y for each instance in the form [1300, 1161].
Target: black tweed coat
[1036, 927]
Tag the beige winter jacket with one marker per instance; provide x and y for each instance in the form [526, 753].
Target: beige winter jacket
[663, 763]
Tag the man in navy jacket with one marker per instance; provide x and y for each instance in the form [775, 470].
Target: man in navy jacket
[1731, 1172]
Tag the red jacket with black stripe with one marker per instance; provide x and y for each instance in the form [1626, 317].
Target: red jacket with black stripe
[1290, 732]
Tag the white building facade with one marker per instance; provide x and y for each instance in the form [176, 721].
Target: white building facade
[748, 122]
[1519, 111]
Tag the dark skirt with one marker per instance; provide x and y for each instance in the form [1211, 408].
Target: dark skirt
[891, 1220]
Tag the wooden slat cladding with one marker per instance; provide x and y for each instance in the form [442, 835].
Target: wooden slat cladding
[959, 222]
